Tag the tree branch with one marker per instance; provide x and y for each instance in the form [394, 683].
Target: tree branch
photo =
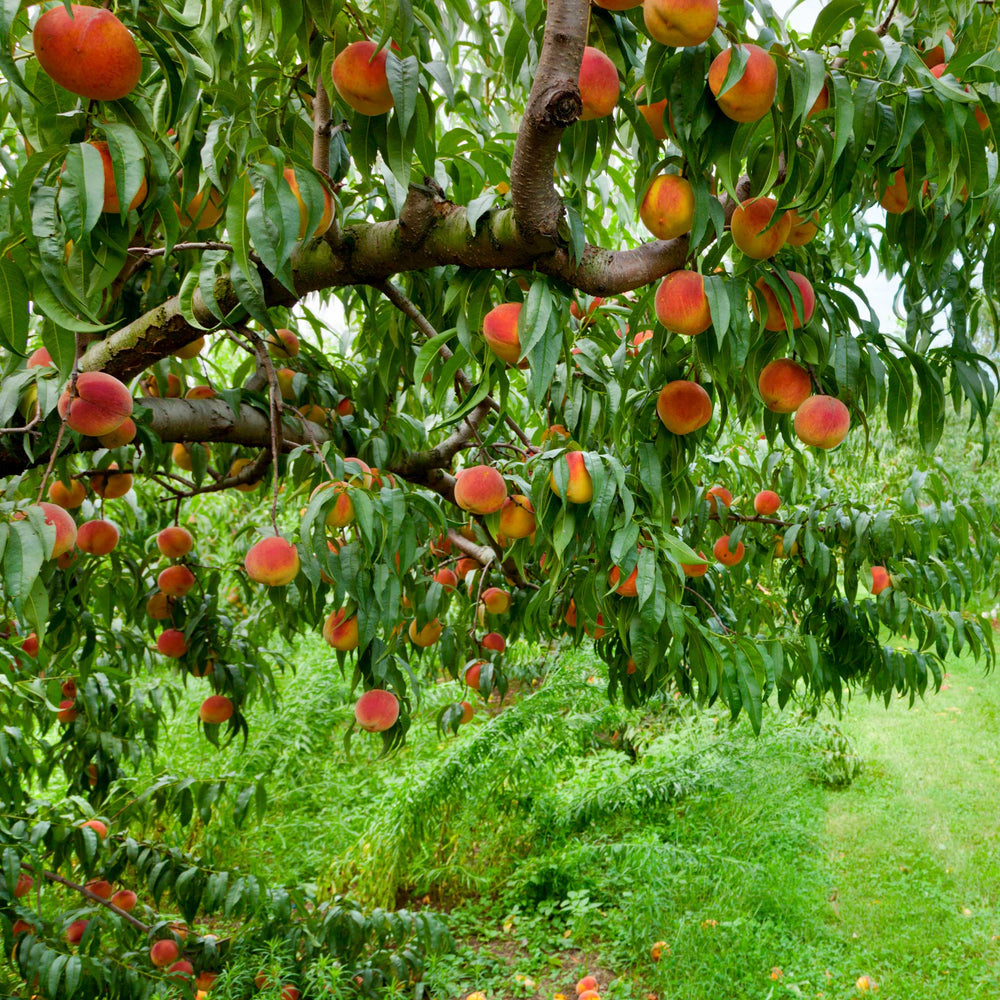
[416, 464]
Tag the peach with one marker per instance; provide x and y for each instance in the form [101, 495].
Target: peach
[681, 23]
[283, 344]
[752, 230]
[784, 385]
[315, 414]
[500, 331]
[236, 468]
[517, 516]
[21, 927]
[465, 566]
[176, 580]
[23, 885]
[715, 493]
[654, 113]
[204, 981]
[589, 995]
[577, 313]
[30, 646]
[766, 503]
[554, 431]
[99, 406]
[174, 387]
[472, 675]
[626, 587]
[345, 408]
[100, 887]
[200, 392]
[803, 230]
[97, 826]
[163, 953]
[570, 616]
[358, 473]
[682, 305]
[579, 485]
[822, 422]
[68, 497]
[66, 712]
[341, 513]
[171, 642]
[112, 206]
[683, 406]
[97, 538]
[360, 77]
[494, 642]
[447, 578]
[426, 636]
[124, 899]
[340, 631]
[496, 601]
[215, 709]
[751, 96]
[895, 199]
[190, 350]
[587, 983]
[75, 931]
[68, 688]
[468, 711]
[880, 579]
[480, 489]
[180, 454]
[125, 434]
[726, 556]
[659, 947]
[773, 318]
[65, 528]
[598, 83]
[326, 219]
[286, 380]
[667, 208]
[272, 561]
[695, 569]
[39, 358]
[203, 210]
[376, 711]
[88, 52]
[159, 607]
[821, 103]
[181, 969]
[174, 542]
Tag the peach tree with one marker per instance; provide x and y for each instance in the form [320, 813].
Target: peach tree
[602, 271]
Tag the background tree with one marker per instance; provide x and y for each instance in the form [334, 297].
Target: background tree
[543, 424]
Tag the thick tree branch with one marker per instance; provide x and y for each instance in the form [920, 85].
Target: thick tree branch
[553, 105]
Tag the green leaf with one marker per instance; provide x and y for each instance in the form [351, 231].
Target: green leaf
[832, 19]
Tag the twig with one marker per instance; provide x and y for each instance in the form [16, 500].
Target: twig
[725, 627]
[160, 251]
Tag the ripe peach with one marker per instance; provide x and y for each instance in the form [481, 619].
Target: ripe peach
[21, 927]
[286, 382]
[724, 555]
[216, 709]
[97, 826]
[695, 569]
[174, 542]
[100, 887]
[65, 528]
[681, 23]
[579, 485]
[517, 516]
[683, 406]
[577, 313]
[493, 641]
[340, 631]
[159, 607]
[653, 113]
[626, 587]
[202, 211]
[682, 305]
[766, 503]
[821, 103]
[715, 493]
[500, 331]
[587, 983]
[68, 497]
[480, 489]
[282, 345]
[472, 674]
[97, 538]
[465, 566]
[23, 885]
[176, 580]
[110, 484]
[163, 953]
[204, 981]
[895, 199]
[112, 206]
[66, 713]
[325, 220]
[125, 434]
[656, 952]
[667, 208]
[496, 601]
[360, 77]
[100, 405]
[426, 636]
[124, 899]
[39, 358]
[376, 711]
[200, 392]
[750, 228]
[345, 408]
[803, 229]
[272, 561]
[773, 318]
[784, 385]
[88, 51]
[751, 96]
[234, 470]
[30, 645]
[75, 931]
[181, 969]
[880, 579]
[468, 711]
[589, 995]
[190, 350]
[171, 642]
[822, 422]
[598, 83]
[174, 388]
[447, 578]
